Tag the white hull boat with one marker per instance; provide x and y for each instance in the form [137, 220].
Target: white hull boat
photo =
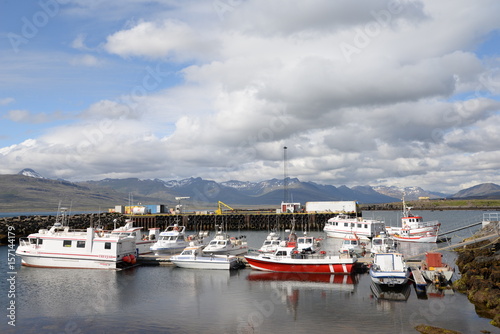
[389, 269]
[223, 244]
[193, 258]
[338, 227]
[353, 245]
[413, 228]
[271, 243]
[383, 244]
[143, 241]
[60, 247]
[174, 240]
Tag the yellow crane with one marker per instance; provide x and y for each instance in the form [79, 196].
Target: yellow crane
[219, 210]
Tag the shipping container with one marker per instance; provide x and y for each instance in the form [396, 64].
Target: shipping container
[332, 206]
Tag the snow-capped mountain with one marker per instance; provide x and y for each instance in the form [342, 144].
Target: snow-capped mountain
[409, 193]
[31, 173]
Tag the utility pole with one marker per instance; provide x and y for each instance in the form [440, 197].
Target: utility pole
[285, 176]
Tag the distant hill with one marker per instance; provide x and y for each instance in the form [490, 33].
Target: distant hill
[28, 190]
[480, 191]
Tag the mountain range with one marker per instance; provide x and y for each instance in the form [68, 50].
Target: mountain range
[30, 188]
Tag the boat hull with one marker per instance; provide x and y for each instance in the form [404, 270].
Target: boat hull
[416, 238]
[430, 275]
[323, 266]
[74, 262]
[218, 263]
[390, 278]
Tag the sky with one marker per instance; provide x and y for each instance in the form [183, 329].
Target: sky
[369, 92]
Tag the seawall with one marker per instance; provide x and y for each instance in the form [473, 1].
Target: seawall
[24, 225]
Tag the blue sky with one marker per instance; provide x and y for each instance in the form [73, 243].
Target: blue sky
[401, 93]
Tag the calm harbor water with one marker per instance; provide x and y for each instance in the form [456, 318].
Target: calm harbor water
[173, 300]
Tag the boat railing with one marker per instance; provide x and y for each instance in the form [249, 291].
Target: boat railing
[430, 223]
[491, 216]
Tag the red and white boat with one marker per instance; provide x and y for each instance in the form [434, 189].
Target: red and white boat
[413, 228]
[290, 260]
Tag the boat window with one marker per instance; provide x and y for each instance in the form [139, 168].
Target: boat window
[359, 225]
[32, 241]
[352, 224]
[213, 242]
[301, 241]
[281, 253]
[377, 242]
[80, 244]
[222, 243]
[354, 242]
[107, 245]
[366, 225]
[66, 243]
[346, 224]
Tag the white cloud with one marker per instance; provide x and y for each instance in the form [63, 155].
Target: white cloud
[86, 60]
[170, 38]
[6, 100]
[413, 105]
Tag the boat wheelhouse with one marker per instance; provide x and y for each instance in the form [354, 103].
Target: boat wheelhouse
[143, 241]
[339, 226]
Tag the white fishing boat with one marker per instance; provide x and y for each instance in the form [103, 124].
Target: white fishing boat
[383, 243]
[224, 244]
[143, 241]
[60, 247]
[170, 241]
[389, 269]
[271, 243]
[353, 245]
[308, 244]
[194, 258]
[414, 228]
[339, 226]
[435, 270]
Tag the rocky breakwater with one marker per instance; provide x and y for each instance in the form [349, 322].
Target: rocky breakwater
[22, 226]
[479, 265]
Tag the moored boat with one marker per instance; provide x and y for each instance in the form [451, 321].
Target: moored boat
[271, 243]
[389, 269]
[291, 260]
[308, 244]
[435, 270]
[223, 244]
[383, 243]
[172, 240]
[193, 258]
[414, 228]
[339, 226]
[143, 241]
[352, 245]
[60, 247]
